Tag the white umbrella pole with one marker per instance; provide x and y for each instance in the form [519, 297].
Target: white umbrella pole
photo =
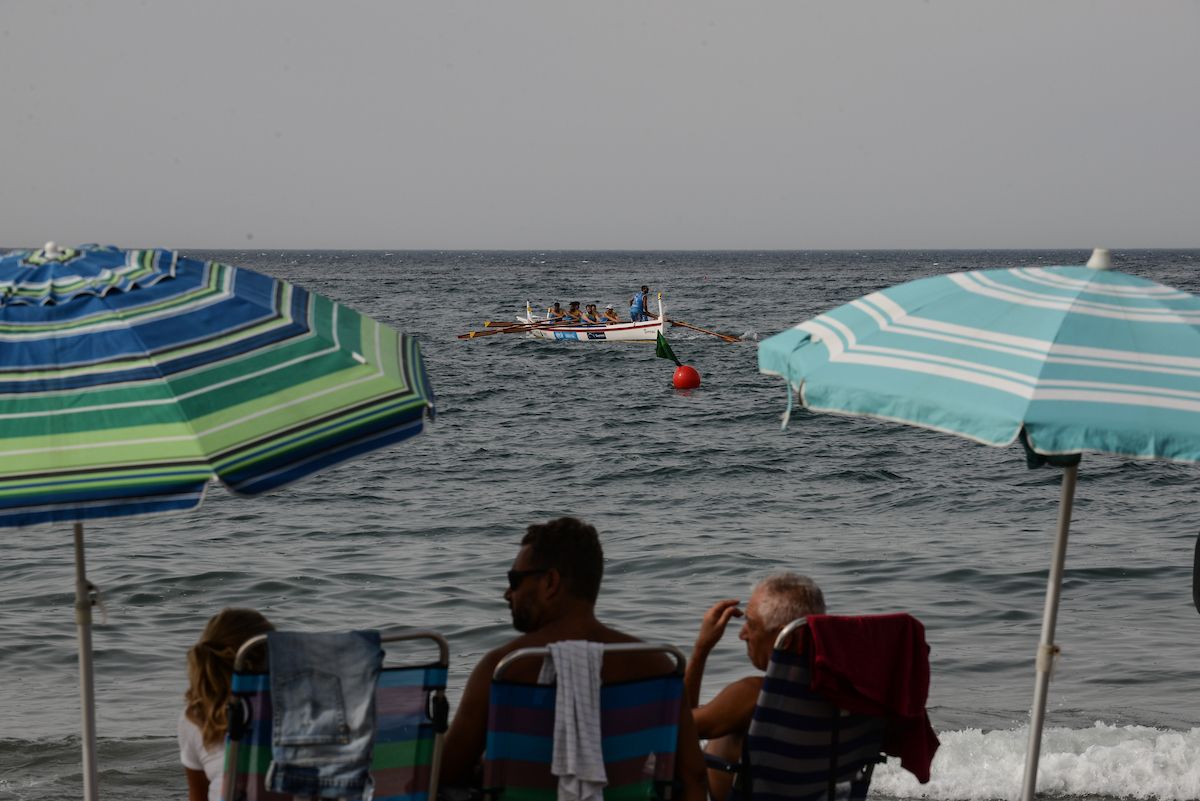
[87, 690]
[1046, 648]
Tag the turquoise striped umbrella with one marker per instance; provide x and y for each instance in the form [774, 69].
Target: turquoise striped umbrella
[1066, 358]
[131, 379]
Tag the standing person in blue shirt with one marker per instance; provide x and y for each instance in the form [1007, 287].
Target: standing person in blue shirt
[639, 305]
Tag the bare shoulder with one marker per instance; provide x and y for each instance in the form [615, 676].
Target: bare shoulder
[740, 697]
[497, 654]
[611, 635]
[633, 666]
[747, 685]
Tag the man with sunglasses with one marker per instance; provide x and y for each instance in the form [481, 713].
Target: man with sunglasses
[552, 590]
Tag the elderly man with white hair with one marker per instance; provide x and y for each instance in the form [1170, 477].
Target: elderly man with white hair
[776, 601]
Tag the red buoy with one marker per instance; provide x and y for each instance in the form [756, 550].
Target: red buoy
[685, 377]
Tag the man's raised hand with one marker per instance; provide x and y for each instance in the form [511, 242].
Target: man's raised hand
[712, 625]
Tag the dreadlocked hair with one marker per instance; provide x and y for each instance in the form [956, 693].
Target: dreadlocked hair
[210, 669]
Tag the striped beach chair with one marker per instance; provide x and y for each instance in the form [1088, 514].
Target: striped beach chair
[800, 747]
[410, 718]
[639, 727]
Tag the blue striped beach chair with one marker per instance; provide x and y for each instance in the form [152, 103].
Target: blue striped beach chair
[410, 719]
[800, 747]
[639, 727]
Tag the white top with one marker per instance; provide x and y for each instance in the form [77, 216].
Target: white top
[194, 755]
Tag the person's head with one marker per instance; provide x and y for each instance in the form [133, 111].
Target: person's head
[210, 668]
[558, 568]
[591, 307]
[557, 306]
[574, 305]
[645, 288]
[609, 308]
[776, 601]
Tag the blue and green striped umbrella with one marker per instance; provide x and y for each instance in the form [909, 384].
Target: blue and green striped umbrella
[130, 379]
[1076, 358]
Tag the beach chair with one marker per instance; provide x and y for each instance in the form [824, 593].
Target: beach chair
[803, 744]
[639, 731]
[800, 747]
[410, 719]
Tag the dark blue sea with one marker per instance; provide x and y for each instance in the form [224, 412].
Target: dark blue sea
[696, 495]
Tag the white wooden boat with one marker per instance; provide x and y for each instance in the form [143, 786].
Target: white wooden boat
[645, 331]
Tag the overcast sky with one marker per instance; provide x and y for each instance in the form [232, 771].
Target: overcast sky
[601, 124]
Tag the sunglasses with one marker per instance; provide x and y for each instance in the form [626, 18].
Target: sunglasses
[515, 577]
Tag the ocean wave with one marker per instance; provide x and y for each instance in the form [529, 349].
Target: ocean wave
[1103, 761]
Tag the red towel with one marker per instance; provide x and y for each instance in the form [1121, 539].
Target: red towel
[877, 665]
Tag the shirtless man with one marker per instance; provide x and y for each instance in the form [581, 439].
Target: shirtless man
[552, 589]
[610, 315]
[724, 721]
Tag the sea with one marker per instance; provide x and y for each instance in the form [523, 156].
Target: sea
[696, 494]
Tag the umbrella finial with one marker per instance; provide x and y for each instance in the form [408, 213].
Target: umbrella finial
[50, 250]
[1101, 259]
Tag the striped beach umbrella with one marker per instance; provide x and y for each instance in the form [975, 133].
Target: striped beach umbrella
[1066, 359]
[131, 379]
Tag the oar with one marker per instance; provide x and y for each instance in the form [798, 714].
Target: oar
[682, 324]
[512, 326]
[493, 331]
[516, 328]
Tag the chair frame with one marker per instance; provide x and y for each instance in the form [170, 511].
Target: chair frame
[609, 648]
[785, 634]
[439, 710]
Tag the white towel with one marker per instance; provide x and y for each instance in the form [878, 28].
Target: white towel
[578, 761]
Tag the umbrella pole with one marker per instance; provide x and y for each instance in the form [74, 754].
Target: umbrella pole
[87, 690]
[1046, 648]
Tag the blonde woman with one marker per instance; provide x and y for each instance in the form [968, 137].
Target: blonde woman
[204, 719]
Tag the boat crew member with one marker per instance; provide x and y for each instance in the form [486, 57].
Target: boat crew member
[610, 315]
[573, 314]
[639, 305]
[555, 313]
[590, 316]
[552, 589]
[724, 721]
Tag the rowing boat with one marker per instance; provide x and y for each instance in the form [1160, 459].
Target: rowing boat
[644, 331]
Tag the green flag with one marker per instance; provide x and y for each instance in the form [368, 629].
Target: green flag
[663, 349]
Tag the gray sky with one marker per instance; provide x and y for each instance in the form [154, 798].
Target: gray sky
[603, 124]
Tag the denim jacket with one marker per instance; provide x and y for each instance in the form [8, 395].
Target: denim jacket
[323, 712]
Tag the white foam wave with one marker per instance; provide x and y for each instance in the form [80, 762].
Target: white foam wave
[1104, 760]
